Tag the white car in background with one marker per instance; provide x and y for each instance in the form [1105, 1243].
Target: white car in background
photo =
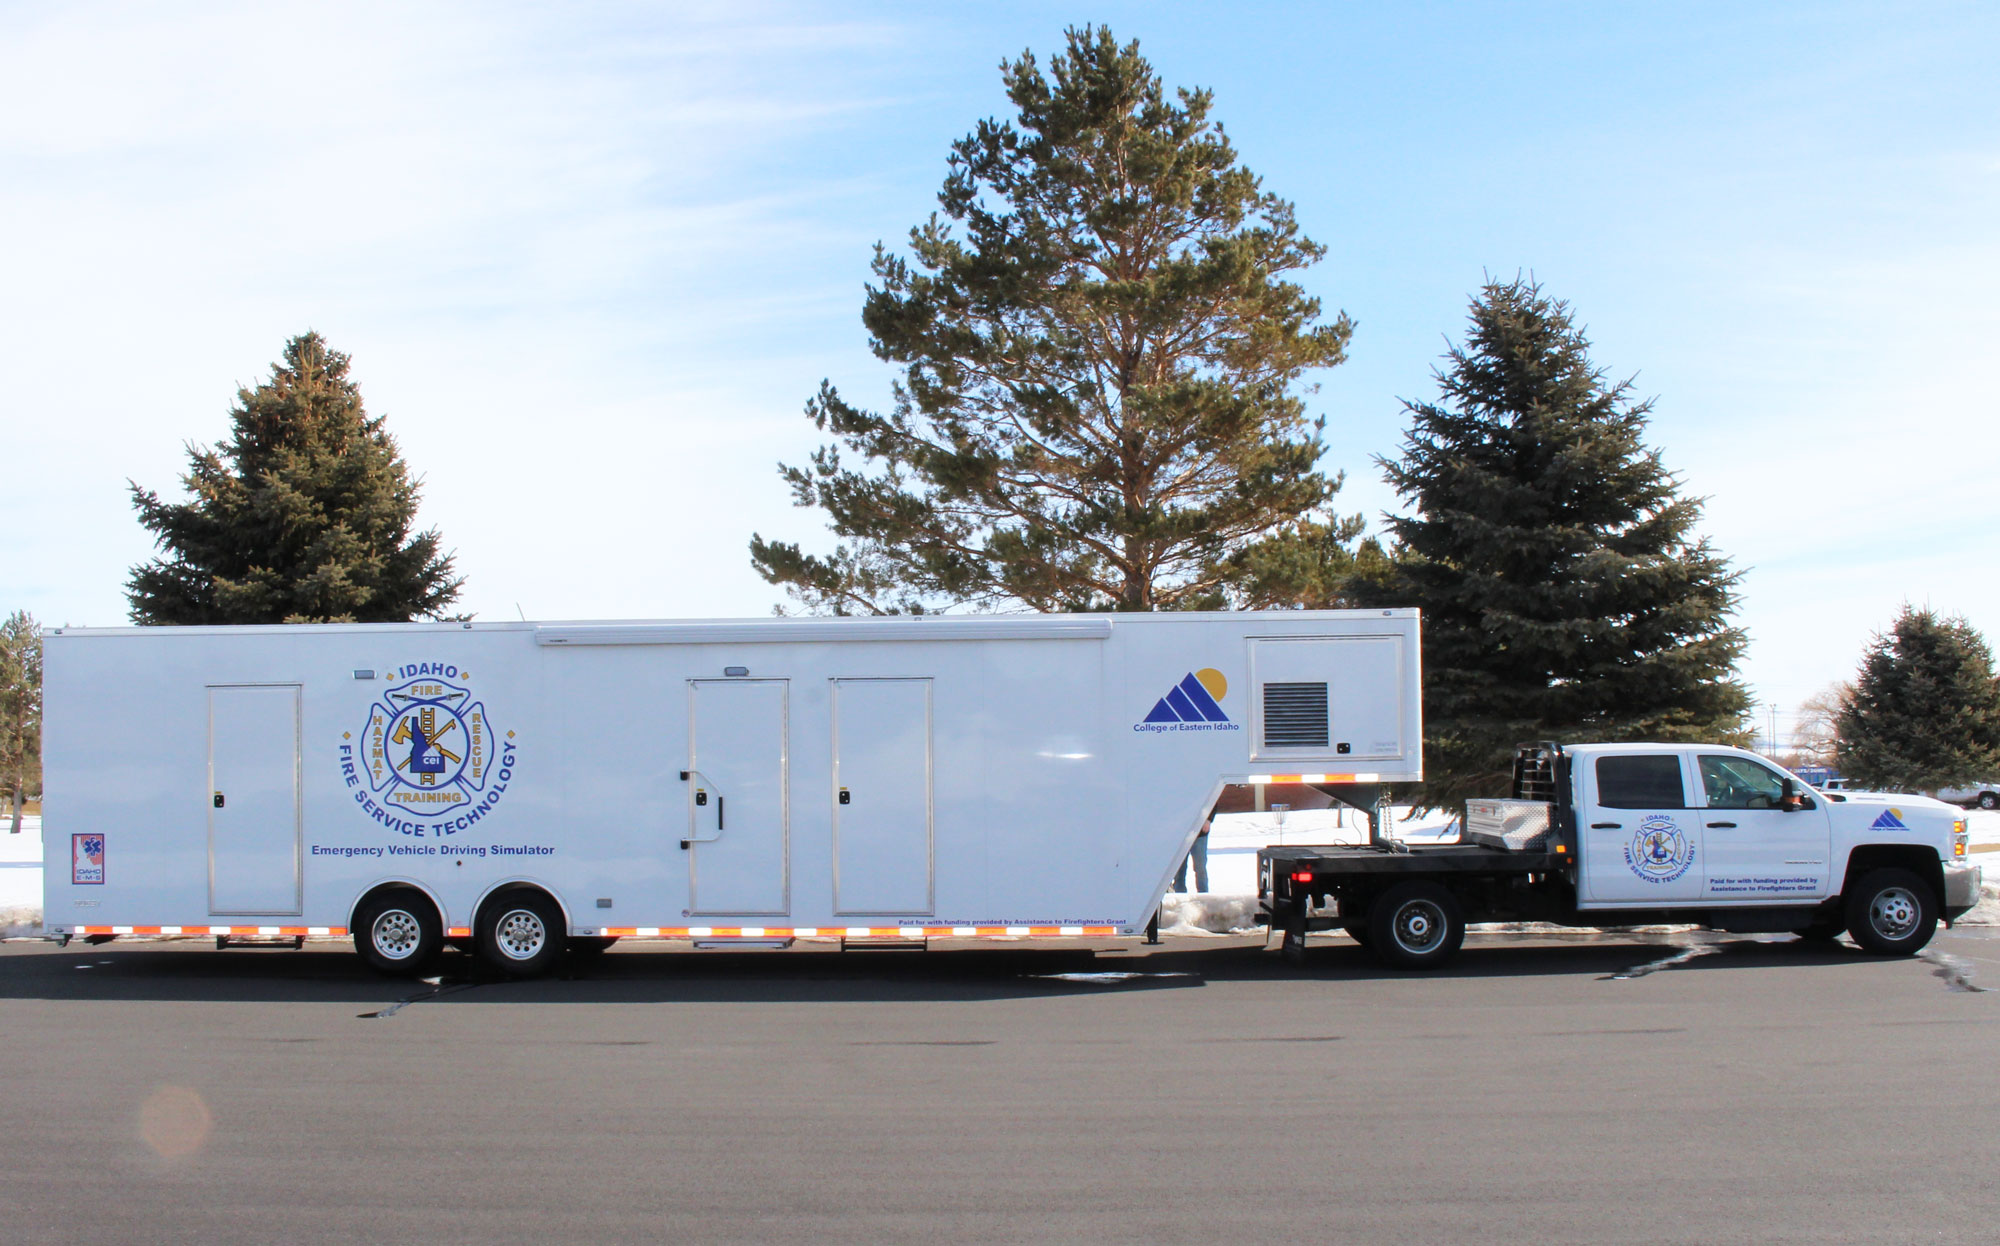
[1985, 795]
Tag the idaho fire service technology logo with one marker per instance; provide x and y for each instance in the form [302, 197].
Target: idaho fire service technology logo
[1660, 851]
[428, 761]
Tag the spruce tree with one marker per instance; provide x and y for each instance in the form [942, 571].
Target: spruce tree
[1099, 404]
[1925, 709]
[1565, 596]
[302, 516]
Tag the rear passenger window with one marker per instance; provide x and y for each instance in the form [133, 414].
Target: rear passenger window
[1640, 781]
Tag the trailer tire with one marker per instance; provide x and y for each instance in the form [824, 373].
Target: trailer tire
[521, 933]
[1416, 925]
[1891, 913]
[398, 933]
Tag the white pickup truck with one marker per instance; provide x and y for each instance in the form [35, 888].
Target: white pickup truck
[1642, 834]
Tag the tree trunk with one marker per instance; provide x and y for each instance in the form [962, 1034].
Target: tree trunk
[20, 799]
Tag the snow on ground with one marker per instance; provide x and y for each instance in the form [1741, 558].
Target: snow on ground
[21, 879]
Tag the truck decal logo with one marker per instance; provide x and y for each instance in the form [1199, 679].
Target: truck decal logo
[1660, 852]
[86, 859]
[429, 751]
[1891, 820]
[1193, 704]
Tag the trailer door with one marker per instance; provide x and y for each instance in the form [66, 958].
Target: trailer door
[253, 799]
[737, 812]
[882, 796]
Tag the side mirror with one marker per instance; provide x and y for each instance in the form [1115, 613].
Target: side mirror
[1791, 801]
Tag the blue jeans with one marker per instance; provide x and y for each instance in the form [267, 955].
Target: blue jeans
[1198, 855]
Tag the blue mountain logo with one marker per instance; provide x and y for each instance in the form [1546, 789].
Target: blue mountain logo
[1888, 822]
[1195, 699]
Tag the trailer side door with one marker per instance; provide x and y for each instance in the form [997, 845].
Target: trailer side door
[738, 807]
[882, 797]
[253, 797]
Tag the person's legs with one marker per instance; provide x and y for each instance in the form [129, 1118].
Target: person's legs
[1200, 858]
[1180, 879]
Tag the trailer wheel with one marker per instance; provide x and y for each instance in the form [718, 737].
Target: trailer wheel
[521, 933]
[1891, 913]
[1416, 925]
[398, 932]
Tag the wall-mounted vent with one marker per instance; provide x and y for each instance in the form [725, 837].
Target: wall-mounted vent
[1295, 716]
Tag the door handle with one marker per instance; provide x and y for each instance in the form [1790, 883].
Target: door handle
[718, 813]
[1727, 825]
[1607, 826]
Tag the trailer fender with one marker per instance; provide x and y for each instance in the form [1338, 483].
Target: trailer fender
[393, 884]
[509, 885]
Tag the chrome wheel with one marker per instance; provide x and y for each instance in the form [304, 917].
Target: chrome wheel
[1894, 912]
[520, 934]
[1419, 926]
[396, 934]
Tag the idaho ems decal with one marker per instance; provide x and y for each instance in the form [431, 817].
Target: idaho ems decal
[1660, 851]
[428, 760]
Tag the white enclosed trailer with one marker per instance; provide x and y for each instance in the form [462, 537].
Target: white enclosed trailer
[522, 785]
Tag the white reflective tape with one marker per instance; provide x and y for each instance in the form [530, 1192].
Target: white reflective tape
[700, 932]
[1017, 930]
[1312, 778]
[218, 930]
[319, 930]
[267, 930]
[1367, 778]
[1260, 778]
[1070, 930]
[860, 932]
[170, 930]
[753, 932]
[649, 931]
[965, 930]
[805, 932]
[911, 932]
[121, 930]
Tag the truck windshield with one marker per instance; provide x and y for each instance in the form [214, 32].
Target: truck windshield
[1640, 781]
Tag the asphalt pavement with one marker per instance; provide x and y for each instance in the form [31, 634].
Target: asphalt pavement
[1202, 1091]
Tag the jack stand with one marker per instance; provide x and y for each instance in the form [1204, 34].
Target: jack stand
[1153, 929]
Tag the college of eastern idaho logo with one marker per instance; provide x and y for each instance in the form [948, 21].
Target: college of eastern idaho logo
[1660, 851]
[428, 751]
[1193, 704]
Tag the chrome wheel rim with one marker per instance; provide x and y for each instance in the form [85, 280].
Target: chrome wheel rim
[1894, 912]
[519, 934]
[396, 934]
[1419, 926]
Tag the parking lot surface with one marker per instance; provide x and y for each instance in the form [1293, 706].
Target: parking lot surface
[1202, 1091]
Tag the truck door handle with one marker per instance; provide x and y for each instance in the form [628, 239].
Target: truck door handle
[718, 812]
[1726, 825]
[1607, 826]
[218, 800]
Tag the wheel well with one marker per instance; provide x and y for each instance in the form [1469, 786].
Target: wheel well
[416, 894]
[1919, 860]
[507, 891]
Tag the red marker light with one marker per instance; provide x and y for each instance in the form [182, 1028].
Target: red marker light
[1302, 877]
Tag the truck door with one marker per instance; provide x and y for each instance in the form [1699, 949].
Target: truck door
[882, 796]
[1756, 850]
[738, 812]
[253, 799]
[1641, 840]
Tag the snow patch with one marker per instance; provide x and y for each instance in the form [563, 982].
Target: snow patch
[1207, 914]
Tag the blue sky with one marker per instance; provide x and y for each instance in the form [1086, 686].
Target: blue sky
[591, 260]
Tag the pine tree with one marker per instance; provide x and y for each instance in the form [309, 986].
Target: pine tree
[20, 711]
[1564, 595]
[302, 516]
[1925, 710]
[1099, 402]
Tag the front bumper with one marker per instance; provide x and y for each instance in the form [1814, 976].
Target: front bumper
[1961, 890]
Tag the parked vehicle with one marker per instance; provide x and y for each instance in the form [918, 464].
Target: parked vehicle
[1643, 834]
[520, 788]
[1983, 795]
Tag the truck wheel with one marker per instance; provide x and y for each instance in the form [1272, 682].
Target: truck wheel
[398, 933]
[1891, 913]
[1416, 925]
[521, 934]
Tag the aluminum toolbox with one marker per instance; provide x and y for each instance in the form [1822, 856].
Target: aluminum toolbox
[1517, 825]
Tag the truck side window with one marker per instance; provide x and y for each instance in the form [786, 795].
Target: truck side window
[1640, 781]
[1739, 783]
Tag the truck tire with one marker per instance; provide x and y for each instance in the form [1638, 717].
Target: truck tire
[521, 934]
[398, 933]
[1891, 912]
[1416, 925]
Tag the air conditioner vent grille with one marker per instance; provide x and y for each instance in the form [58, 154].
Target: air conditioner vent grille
[1295, 715]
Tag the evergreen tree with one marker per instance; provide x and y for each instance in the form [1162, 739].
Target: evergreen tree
[1564, 594]
[1099, 402]
[303, 516]
[20, 710]
[1925, 710]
